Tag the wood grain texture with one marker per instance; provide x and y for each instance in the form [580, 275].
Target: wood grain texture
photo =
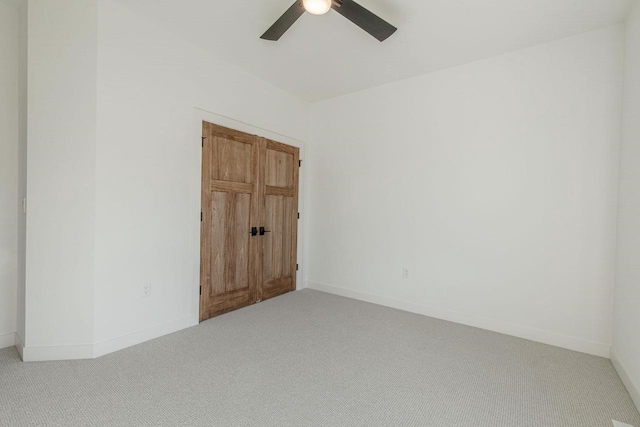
[262, 248]
[205, 224]
[287, 225]
[247, 181]
[232, 161]
[284, 148]
[276, 237]
[267, 255]
[218, 238]
[236, 187]
[229, 207]
[294, 219]
[279, 248]
[279, 191]
[279, 169]
[277, 287]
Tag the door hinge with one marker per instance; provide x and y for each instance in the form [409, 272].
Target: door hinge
[200, 216]
[298, 215]
[299, 163]
[200, 290]
[203, 138]
[296, 267]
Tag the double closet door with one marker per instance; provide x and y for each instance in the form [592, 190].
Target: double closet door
[249, 219]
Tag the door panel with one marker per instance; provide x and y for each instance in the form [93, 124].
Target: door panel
[230, 247]
[280, 217]
[278, 244]
[279, 170]
[232, 160]
[267, 246]
[288, 213]
[229, 208]
[218, 235]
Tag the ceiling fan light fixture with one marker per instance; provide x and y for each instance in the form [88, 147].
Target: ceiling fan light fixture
[363, 18]
[317, 7]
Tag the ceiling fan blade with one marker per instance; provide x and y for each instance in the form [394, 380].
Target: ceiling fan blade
[284, 22]
[371, 23]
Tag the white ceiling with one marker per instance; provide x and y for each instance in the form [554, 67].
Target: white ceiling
[324, 56]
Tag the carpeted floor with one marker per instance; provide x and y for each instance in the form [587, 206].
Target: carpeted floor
[314, 359]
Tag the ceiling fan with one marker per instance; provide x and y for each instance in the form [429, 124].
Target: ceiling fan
[371, 23]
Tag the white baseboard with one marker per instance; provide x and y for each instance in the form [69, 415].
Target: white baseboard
[550, 338]
[632, 387]
[60, 352]
[91, 351]
[138, 337]
[7, 340]
[19, 342]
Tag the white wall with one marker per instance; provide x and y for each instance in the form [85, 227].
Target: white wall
[626, 336]
[9, 16]
[22, 168]
[495, 183]
[114, 173]
[62, 76]
[148, 168]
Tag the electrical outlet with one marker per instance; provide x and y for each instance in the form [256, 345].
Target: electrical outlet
[405, 273]
[146, 290]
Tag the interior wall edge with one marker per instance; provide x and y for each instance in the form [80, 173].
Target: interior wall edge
[7, 340]
[23, 32]
[543, 337]
[57, 353]
[632, 388]
[19, 343]
[61, 182]
[625, 354]
[138, 337]
[9, 148]
[98, 349]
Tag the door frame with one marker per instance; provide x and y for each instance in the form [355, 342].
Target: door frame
[199, 116]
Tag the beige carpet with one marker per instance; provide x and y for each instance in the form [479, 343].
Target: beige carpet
[313, 359]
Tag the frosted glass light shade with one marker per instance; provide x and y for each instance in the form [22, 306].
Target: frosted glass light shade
[317, 7]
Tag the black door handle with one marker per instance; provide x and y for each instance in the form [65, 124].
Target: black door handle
[254, 231]
[262, 231]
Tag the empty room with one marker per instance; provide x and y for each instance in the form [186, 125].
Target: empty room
[320, 213]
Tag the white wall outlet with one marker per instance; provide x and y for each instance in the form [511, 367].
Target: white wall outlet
[146, 290]
[405, 273]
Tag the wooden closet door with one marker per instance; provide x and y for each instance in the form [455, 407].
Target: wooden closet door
[279, 217]
[230, 207]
